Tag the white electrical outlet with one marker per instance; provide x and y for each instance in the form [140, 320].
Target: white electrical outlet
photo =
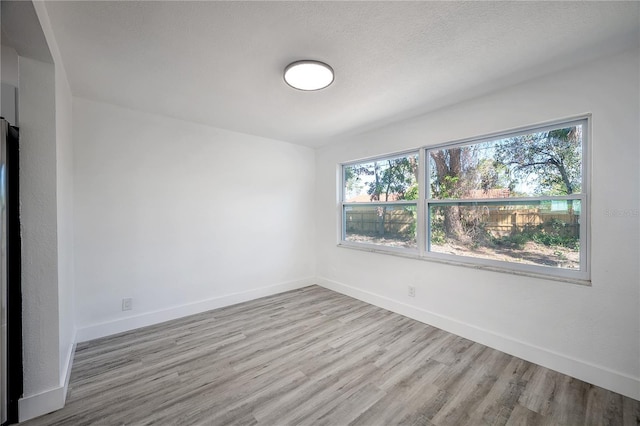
[412, 291]
[127, 304]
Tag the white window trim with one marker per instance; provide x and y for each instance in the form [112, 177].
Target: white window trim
[423, 202]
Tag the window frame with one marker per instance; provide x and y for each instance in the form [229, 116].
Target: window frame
[342, 204]
[424, 202]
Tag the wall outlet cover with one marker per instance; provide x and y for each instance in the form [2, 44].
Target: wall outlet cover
[127, 304]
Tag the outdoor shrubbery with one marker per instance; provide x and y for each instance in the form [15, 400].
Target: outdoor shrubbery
[552, 233]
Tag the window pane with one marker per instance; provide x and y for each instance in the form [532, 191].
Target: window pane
[387, 225]
[534, 164]
[389, 179]
[545, 233]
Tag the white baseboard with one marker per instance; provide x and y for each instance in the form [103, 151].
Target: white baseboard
[590, 373]
[108, 328]
[65, 375]
[33, 406]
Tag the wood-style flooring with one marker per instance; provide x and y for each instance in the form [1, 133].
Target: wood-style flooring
[316, 357]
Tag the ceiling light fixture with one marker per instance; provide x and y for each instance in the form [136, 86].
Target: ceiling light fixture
[308, 75]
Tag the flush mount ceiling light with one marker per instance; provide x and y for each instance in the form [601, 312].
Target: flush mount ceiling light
[308, 75]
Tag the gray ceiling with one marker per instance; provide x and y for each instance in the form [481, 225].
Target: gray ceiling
[221, 63]
[21, 30]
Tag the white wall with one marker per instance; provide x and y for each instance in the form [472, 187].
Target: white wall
[9, 65]
[46, 174]
[592, 333]
[64, 201]
[64, 191]
[182, 217]
[39, 226]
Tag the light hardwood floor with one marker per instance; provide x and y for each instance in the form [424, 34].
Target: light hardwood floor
[316, 357]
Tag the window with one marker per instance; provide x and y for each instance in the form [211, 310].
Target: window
[514, 201]
[380, 202]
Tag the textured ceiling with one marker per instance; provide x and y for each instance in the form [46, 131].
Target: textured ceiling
[221, 63]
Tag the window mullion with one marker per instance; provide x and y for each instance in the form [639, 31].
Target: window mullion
[381, 203]
[421, 228]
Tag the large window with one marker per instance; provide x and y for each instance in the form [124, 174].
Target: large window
[514, 201]
[380, 199]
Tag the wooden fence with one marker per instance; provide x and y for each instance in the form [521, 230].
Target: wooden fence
[380, 221]
[507, 222]
[370, 220]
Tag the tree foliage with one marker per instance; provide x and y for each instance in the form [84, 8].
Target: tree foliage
[447, 174]
[447, 183]
[467, 172]
[543, 163]
[492, 174]
[393, 178]
[386, 180]
[554, 158]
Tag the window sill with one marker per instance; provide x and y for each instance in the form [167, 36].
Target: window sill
[412, 255]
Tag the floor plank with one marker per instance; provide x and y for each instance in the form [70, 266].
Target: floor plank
[316, 357]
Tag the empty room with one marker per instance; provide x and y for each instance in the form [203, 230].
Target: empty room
[320, 213]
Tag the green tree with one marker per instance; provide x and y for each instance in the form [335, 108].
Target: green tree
[393, 177]
[491, 174]
[353, 177]
[386, 180]
[464, 172]
[446, 183]
[554, 157]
